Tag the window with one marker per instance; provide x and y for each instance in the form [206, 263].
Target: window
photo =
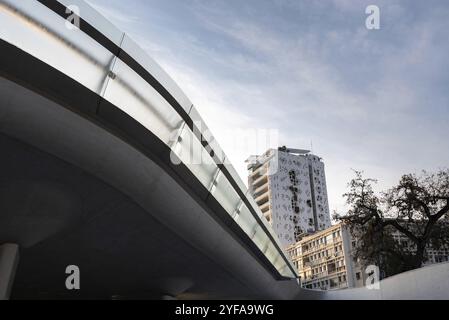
[357, 276]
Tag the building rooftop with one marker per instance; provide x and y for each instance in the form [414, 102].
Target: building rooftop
[255, 161]
[294, 151]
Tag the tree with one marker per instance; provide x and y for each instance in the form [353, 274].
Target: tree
[417, 208]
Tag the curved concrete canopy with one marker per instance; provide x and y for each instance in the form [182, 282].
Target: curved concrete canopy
[69, 200]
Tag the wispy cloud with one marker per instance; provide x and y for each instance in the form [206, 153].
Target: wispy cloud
[114, 15]
[370, 100]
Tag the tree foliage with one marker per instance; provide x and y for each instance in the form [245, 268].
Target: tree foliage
[417, 207]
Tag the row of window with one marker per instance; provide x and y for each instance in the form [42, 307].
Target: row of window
[312, 245]
[324, 240]
[332, 267]
[437, 259]
[324, 253]
[329, 283]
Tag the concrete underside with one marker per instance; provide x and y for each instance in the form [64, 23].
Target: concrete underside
[9, 259]
[61, 216]
[72, 193]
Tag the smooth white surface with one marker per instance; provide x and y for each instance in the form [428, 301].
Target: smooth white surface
[428, 283]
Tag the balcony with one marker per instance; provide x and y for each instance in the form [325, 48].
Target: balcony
[259, 182]
[261, 190]
[260, 200]
[262, 170]
[267, 214]
[265, 207]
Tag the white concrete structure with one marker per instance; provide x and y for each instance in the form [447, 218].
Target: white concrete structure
[428, 283]
[289, 185]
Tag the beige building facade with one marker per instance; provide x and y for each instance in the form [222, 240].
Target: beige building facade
[325, 262]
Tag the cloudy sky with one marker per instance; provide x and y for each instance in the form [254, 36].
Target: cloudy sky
[371, 100]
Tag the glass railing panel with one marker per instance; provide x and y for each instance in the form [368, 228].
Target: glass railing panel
[207, 134]
[225, 194]
[236, 177]
[190, 152]
[138, 54]
[271, 232]
[287, 272]
[129, 92]
[260, 215]
[250, 226]
[245, 219]
[278, 262]
[95, 19]
[284, 268]
[260, 238]
[42, 33]
[271, 252]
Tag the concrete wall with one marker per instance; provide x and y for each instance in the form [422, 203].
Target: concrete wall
[428, 283]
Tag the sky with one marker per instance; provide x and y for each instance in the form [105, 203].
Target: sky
[369, 100]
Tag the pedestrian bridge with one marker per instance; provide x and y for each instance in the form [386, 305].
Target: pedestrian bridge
[107, 165]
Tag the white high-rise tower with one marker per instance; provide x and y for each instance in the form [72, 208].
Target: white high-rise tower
[289, 185]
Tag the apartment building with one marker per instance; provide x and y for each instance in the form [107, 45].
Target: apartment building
[289, 186]
[433, 255]
[325, 262]
[325, 259]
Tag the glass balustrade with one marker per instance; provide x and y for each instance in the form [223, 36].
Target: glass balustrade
[139, 55]
[225, 194]
[42, 33]
[129, 92]
[207, 135]
[189, 150]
